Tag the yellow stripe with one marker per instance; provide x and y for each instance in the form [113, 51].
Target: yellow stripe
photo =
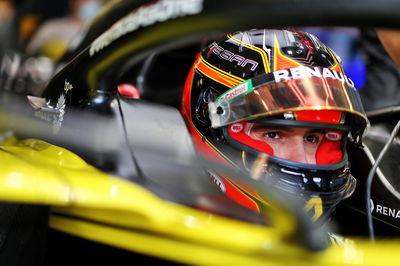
[277, 51]
[244, 193]
[204, 243]
[236, 78]
[213, 147]
[336, 62]
[316, 205]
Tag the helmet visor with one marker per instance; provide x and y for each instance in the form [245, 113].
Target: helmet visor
[263, 96]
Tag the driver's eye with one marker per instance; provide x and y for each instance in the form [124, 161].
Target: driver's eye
[272, 135]
[311, 138]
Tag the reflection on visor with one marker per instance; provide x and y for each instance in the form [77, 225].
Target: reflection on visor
[253, 99]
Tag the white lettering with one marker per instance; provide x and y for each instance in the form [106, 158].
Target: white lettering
[308, 72]
[314, 72]
[281, 75]
[227, 55]
[239, 59]
[160, 11]
[248, 61]
[305, 72]
[218, 49]
[326, 73]
[299, 72]
[385, 210]
[336, 74]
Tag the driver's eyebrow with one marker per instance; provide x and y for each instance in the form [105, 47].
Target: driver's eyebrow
[316, 131]
[286, 129]
[266, 127]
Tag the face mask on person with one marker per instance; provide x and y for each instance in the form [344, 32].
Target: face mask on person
[89, 9]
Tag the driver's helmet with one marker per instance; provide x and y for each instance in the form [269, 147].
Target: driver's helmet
[255, 82]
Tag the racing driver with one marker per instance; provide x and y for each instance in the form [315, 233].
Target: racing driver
[281, 95]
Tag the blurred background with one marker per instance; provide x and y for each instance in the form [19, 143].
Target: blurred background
[43, 27]
[34, 34]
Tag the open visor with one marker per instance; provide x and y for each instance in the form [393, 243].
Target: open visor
[263, 96]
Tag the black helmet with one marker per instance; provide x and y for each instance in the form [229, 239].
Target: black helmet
[280, 79]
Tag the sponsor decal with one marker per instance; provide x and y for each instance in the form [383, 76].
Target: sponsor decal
[159, 11]
[308, 72]
[333, 135]
[315, 205]
[217, 181]
[286, 74]
[240, 89]
[232, 57]
[237, 127]
[385, 210]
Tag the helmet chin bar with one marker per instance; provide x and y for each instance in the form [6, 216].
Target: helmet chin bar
[323, 187]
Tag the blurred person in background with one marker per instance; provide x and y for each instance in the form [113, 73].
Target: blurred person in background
[382, 85]
[31, 14]
[52, 38]
[390, 39]
[8, 26]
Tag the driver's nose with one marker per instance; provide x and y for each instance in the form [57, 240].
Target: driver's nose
[294, 150]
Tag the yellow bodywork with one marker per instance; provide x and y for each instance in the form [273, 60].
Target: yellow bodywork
[91, 204]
